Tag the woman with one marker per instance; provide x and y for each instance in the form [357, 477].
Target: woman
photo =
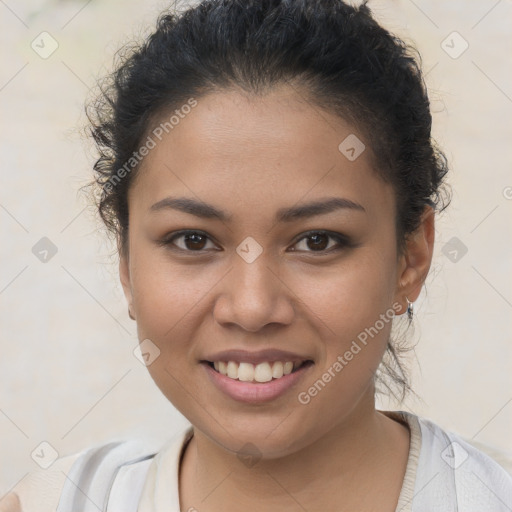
[268, 171]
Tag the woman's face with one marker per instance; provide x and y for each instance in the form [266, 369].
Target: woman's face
[256, 280]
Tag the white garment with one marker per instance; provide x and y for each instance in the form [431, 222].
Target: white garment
[444, 474]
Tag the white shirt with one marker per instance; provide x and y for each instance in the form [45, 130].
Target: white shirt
[444, 473]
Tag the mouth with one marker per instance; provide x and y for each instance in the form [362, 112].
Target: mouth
[260, 373]
[259, 382]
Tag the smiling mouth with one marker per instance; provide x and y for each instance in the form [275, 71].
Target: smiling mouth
[262, 372]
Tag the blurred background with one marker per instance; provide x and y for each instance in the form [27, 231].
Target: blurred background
[69, 376]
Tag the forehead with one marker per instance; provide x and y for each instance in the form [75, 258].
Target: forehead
[234, 148]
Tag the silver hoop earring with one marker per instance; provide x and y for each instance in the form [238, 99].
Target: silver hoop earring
[410, 310]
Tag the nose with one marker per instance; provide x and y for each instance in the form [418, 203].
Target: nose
[253, 295]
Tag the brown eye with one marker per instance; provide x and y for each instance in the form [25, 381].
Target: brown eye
[192, 241]
[318, 241]
[315, 241]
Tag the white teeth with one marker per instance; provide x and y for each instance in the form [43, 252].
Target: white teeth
[262, 372]
[245, 372]
[232, 372]
[223, 367]
[277, 370]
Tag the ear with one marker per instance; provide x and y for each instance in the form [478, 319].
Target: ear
[124, 276]
[414, 264]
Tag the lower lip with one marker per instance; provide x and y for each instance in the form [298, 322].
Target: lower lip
[255, 392]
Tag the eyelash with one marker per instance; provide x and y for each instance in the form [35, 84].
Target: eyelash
[342, 240]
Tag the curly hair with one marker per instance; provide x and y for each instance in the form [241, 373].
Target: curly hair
[336, 55]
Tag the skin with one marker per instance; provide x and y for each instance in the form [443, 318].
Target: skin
[10, 503]
[251, 156]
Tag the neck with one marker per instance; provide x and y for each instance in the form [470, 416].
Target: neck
[346, 464]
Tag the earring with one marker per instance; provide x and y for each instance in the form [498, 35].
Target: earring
[410, 310]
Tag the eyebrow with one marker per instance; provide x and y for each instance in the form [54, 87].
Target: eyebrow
[288, 214]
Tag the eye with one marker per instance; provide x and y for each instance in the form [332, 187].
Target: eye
[315, 241]
[193, 241]
[320, 241]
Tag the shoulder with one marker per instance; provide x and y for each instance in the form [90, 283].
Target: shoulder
[456, 450]
[43, 490]
[453, 473]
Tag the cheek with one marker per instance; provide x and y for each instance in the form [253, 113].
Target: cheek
[168, 300]
[166, 294]
[352, 314]
[349, 297]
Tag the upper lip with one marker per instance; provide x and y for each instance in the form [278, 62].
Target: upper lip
[261, 356]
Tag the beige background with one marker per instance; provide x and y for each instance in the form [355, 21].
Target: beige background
[68, 373]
